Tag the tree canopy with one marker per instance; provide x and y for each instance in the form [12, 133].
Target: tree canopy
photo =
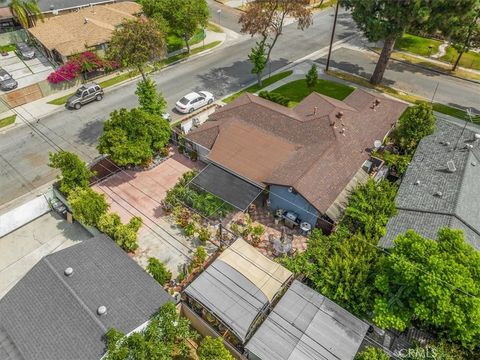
[74, 171]
[435, 283]
[150, 100]
[137, 42]
[387, 20]
[213, 349]
[164, 338]
[87, 205]
[416, 123]
[184, 17]
[372, 353]
[133, 136]
[27, 12]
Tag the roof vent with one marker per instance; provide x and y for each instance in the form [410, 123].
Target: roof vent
[340, 114]
[85, 20]
[102, 310]
[446, 143]
[315, 108]
[474, 163]
[290, 189]
[68, 271]
[375, 104]
[451, 166]
[438, 194]
[417, 182]
[477, 136]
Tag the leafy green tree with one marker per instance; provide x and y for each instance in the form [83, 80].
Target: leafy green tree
[340, 266]
[108, 223]
[434, 351]
[312, 77]
[75, 172]
[137, 42]
[126, 235]
[133, 136]
[150, 100]
[258, 58]
[369, 207]
[416, 123]
[158, 270]
[213, 349]
[388, 20]
[266, 18]
[464, 32]
[184, 17]
[87, 205]
[165, 335]
[27, 12]
[436, 283]
[372, 353]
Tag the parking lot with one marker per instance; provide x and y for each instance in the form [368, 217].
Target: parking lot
[139, 193]
[26, 72]
[23, 248]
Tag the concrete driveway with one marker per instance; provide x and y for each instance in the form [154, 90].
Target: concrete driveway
[139, 193]
[23, 248]
[26, 72]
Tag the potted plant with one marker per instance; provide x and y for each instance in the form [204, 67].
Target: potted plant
[194, 155]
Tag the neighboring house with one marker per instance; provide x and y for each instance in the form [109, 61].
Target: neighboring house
[306, 325]
[306, 158]
[234, 293]
[88, 29]
[62, 308]
[441, 187]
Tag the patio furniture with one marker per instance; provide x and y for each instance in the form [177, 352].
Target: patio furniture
[291, 219]
[281, 247]
[306, 228]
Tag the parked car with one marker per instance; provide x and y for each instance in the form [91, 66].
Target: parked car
[193, 101]
[85, 94]
[6, 81]
[25, 51]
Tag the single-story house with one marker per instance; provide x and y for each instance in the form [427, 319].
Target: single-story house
[62, 308]
[306, 325]
[304, 159]
[441, 187]
[87, 29]
[235, 291]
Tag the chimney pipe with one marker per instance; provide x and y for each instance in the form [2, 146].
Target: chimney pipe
[315, 110]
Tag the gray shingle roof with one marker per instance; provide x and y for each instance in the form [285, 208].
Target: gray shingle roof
[50, 316]
[431, 197]
[306, 325]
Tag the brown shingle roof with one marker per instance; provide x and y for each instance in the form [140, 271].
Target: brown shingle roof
[310, 147]
[75, 32]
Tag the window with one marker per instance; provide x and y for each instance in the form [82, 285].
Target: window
[91, 91]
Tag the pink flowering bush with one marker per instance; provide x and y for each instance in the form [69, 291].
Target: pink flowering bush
[84, 62]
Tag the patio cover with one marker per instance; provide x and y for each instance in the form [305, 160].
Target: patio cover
[305, 325]
[227, 186]
[238, 285]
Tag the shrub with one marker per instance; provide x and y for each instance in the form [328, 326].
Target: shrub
[275, 97]
[126, 237]
[204, 235]
[158, 270]
[108, 223]
[190, 229]
[397, 162]
[199, 258]
[87, 205]
[372, 353]
[213, 349]
[415, 123]
[75, 172]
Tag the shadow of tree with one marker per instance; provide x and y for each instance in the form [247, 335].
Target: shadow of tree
[90, 133]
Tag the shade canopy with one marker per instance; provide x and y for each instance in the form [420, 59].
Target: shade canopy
[230, 188]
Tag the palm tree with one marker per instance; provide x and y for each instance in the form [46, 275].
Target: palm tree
[26, 12]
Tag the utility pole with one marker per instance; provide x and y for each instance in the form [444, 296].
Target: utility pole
[333, 35]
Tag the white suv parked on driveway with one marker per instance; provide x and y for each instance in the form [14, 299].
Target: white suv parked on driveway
[193, 101]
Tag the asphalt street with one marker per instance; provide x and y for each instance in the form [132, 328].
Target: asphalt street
[24, 150]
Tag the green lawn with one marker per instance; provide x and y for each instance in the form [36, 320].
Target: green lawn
[176, 43]
[214, 28]
[417, 45]
[470, 60]
[254, 88]
[7, 121]
[297, 90]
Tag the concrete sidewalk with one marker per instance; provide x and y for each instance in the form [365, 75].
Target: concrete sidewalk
[41, 108]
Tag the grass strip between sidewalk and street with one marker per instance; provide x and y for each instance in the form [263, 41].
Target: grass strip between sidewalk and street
[8, 120]
[254, 88]
[414, 99]
[185, 55]
[417, 45]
